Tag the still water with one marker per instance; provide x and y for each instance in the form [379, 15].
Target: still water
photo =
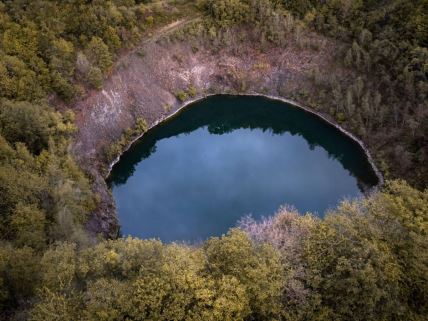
[195, 175]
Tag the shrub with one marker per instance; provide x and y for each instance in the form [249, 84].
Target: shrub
[192, 91]
[149, 21]
[181, 95]
[116, 148]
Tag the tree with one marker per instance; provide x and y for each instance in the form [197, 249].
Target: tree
[58, 266]
[362, 260]
[23, 122]
[95, 77]
[287, 231]
[98, 54]
[105, 299]
[257, 267]
[28, 224]
[19, 274]
[54, 306]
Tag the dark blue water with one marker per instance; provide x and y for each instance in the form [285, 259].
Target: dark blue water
[197, 174]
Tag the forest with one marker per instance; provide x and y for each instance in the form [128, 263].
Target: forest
[366, 260]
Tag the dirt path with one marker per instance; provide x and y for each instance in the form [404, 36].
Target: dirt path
[168, 29]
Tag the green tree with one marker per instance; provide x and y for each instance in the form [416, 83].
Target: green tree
[54, 306]
[257, 267]
[98, 54]
[95, 77]
[19, 274]
[365, 261]
[105, 299]
[58, 266]
[26, 123]
[28, 224]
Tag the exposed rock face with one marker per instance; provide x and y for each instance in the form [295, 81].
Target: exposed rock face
[143, 84]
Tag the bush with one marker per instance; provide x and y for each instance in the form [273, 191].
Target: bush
[181, 95]
[149, 21]
[115, 149]
[192, 91]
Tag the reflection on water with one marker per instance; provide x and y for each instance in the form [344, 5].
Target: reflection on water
[197, 174]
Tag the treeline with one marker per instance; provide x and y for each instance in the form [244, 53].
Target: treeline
[63, 47]
[271, 24]
[387, 95]
[378, 85]
[50, 48]
[365, 261]
[45, 197]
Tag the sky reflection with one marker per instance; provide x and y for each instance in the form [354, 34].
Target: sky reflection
[189, 179]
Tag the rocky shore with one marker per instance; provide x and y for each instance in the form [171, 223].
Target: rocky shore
[145, 84]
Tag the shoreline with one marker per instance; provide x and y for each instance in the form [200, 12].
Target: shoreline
[271, 97]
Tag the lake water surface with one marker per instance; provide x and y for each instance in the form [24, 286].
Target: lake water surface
[195, 175]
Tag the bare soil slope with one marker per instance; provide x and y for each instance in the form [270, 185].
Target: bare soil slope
[145, 81]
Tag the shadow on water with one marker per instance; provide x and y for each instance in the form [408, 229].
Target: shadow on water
[196, 174]
[223, 114]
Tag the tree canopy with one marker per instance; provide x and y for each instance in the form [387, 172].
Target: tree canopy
[366, 260]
